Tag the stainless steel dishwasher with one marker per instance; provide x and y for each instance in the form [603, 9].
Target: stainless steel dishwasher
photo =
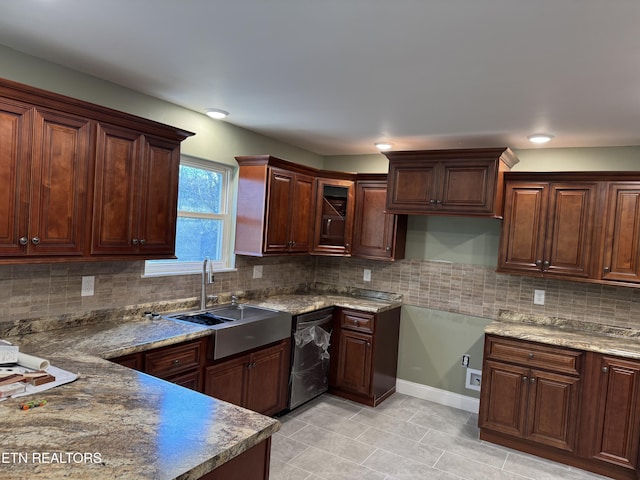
[310, 356]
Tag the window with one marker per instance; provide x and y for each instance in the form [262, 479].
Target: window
[204, 223]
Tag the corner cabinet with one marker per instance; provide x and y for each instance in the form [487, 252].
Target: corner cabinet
[335, 206]
[364, 355]
[275, 206]
[549, 228]
[377, 235]
[83, 182]
[136, 193]
[448, 182]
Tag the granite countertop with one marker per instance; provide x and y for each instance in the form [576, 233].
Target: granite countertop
[608, 340]
[114, 422]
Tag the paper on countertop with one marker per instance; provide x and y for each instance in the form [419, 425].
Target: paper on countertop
[62, 377]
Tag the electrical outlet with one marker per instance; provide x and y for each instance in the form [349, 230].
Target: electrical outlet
[474, 379]
[257, 271]
[465, 360]
[367, 275]
[87, 286]
[538, 297]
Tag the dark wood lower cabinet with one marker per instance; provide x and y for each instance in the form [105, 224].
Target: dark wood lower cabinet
[578, 408]
[253, 464]
[257, 380]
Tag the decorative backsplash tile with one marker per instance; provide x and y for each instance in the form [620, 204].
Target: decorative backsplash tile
[40, 291]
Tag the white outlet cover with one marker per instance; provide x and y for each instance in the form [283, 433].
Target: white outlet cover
[471, 373]
[257, 271]
[367, 275]
[538, 297]
[87, 286]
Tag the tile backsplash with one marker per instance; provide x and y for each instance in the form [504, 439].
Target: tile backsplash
[40, 291]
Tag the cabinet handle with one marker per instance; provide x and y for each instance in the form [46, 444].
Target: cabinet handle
[545, 264]
[525, 378]
[388, 249]
[142, 241]
[532, 380]
[432, 201]
[605, 369]
[530, 355]
[176, 362]
[538, 263]
[346, 245]
[293, 243]
[606, 269]
[251, 365]
[135, 241]
[23, 240]
[35, 240]
[438, 202]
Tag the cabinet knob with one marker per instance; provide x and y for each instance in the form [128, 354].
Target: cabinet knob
[606, 269]
[545, 264]
[35, 240]
[251, 365]
[432, 201]
[532, 380]
[530, 355]
[176, 362]
[605, 369]
[346, 245]
[135, 241]
[142, 241]
[23, 240]
[293, 243]
[388, 249]
[538, 263]
[525, 378]
[438, 202]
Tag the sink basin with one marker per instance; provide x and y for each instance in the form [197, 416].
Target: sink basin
[238, 328]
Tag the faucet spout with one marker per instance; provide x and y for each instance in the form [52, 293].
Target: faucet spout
[207, 278]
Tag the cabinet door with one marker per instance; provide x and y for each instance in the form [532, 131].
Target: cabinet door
[467, 187]
[278, 211]
[116, 198]
[374, 232]
[523, 229]
[301, 208]
[553, 409]
[333, 229]
[354, 362]
[226, 380]
[622, 234]
[158, 175]
[503, 398]
[412, 188]
[15, 176]
[570, 227]
[59, 183]
[618, 417]
[268, 379]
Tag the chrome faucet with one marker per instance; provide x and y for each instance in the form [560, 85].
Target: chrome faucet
[207, 278]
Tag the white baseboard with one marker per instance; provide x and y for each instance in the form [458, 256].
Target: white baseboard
[444, 397]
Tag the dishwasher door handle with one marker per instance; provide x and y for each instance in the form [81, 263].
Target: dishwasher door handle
[314, 323]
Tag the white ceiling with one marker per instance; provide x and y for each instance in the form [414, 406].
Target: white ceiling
[333, 76]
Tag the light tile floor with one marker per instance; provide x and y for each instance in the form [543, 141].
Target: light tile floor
[404, 438]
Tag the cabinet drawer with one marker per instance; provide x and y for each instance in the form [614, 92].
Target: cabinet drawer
[359, 321]
[172, 360]
[534, 355]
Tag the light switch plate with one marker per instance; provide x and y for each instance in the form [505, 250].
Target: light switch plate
[538, 297]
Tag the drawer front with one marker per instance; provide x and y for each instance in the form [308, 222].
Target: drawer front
[359, 321]
[172, 360]
[534, 355]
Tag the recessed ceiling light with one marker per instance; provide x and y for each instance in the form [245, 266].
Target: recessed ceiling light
[383, 145]
[540, 137]
[217, 113]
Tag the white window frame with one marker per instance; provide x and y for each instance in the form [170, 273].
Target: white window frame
[154, 268]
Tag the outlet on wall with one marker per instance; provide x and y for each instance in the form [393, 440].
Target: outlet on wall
[538, 297]
[367, 275]
[257, 271]
[87, 286]
[474, 379]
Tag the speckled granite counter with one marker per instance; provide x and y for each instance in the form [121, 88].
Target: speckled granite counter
[128, 424]
[609, 340]
[124, 424]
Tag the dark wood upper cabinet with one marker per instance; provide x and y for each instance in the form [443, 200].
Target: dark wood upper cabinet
[275, 206]
[335, 207]
[377, 235]
[448, 182]
[549, 228]
[80, 180]
[46, 161]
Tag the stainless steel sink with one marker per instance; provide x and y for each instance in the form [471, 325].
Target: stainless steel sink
[241, 327]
